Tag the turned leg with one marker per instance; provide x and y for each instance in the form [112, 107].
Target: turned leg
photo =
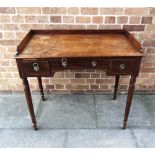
[41, 88]
[116, 86]
[29, 102]
[129, 100]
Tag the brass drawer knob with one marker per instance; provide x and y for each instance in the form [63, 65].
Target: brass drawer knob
[94, 63]
[36, 67]
[122, 66]
[64, 62]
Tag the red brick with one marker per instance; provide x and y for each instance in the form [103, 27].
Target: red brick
[90, 81]
[152, 35]
[54, 10]
[7, 75]
[7, 10]
[68, 19]
[43, 19]
[148, 70]
[91, 27]
[105, 81]
[1, 36]
[77, 86]
[12, 69]
[150, 27]
[10, 27]
[104, 87]
[97, 19]
[18, 19]
[111, 11]
[60, 81]
[109, 20]
[3, 68]
[4, 63]
[134, 27]
[134, 20]
[146, 20]
[9, 35]
[90, 70]
[89, 11]
[94, 86]
[27, 27]
[110, 26]
[152, 76]
[144, 75]
[89, 91]
[28, 10]
[69, 75]
[142, 87]
[77, 91]
[31, 19]
[4, 18]
[59, 86]
[20, 35]
[82, 75]
[95, 75]
[63, 91]
[152, 11]
[83, 19]
[9, 42]
[136, 11]
[150, 51]
[77, 81]
[55, 19]
[55, 26]
[123, 87]
[51, 86]
[144, 35]
[59, 75]
[149, 43]
[75, 27]
[81, 86]
[73, 11]
[122, 19]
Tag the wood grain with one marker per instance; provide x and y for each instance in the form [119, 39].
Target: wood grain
[47, 45]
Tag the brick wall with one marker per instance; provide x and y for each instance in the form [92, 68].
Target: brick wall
[16, 22]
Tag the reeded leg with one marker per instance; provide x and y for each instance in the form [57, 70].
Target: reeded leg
[29, 102]
[129, 100]
[116, 86]
[41, 88]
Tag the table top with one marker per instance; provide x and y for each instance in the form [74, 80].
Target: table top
[41, 44]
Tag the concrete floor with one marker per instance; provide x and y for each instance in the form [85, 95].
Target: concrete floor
[77, 121]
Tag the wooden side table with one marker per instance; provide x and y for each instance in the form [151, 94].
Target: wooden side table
[43, 52]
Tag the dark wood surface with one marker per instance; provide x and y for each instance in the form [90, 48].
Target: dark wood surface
[58, 45]
[43, 52]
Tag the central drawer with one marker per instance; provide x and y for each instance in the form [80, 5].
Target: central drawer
[68, 63]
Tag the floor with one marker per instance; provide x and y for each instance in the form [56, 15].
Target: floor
[77, 121]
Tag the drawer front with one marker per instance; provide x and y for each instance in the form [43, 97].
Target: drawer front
[36, 68]
[65, 63]
[119, 66]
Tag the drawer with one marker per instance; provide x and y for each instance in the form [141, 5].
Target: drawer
[36, 68]
[65, 63]
[119, 66]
